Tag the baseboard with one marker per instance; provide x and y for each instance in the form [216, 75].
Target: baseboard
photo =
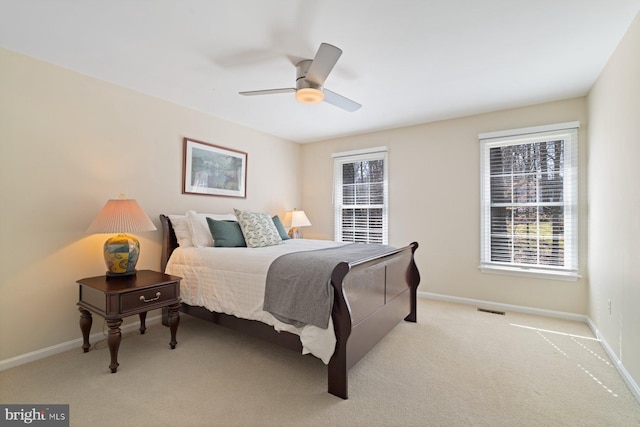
[633, 386]
[507, 307]
[66, 346]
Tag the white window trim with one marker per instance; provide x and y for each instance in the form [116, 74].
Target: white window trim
[529, 130]
[568, 276]
[364, 151]
[358, 155]
[542, 272]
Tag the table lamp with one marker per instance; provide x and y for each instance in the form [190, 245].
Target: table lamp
[296, 219]
[121, 216]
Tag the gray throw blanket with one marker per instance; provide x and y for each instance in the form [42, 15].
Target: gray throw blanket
[298, 289]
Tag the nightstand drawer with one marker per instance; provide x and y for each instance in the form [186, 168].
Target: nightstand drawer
[148, 298]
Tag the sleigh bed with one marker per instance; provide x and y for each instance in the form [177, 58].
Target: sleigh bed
[370, 297]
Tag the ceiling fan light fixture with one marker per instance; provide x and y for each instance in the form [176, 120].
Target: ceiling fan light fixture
[309, 95]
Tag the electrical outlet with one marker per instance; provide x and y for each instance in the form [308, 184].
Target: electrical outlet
[609, 306]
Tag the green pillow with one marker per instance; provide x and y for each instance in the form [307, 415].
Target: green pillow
[226, 234]
[281, 231]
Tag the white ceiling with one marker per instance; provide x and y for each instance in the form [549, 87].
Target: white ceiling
[406, 61]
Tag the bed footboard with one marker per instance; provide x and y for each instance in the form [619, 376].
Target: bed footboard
[371, 297]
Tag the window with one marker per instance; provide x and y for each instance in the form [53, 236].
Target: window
[360, 196]
[529, 198]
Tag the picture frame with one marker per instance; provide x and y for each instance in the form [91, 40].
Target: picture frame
[212, 170]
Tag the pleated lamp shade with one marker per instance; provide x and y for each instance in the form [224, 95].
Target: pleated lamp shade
[121, 216]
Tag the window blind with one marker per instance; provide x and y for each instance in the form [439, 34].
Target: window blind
[360, 196]
[529, 199]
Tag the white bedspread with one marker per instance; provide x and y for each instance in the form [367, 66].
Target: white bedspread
[232, 281]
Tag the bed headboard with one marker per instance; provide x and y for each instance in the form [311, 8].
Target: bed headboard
[169, 241]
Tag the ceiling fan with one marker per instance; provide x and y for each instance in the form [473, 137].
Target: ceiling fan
[310, 77]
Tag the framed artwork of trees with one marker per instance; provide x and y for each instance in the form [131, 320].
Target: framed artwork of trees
[212, 170]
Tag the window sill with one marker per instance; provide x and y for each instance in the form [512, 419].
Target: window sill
[566, 276]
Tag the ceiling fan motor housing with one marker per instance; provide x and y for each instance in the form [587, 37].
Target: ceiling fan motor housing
[306, 91]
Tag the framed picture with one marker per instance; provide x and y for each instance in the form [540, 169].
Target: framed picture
[213, 171]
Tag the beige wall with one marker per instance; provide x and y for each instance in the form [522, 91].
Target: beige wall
[68, 143]
[614, 201]
[434, 198]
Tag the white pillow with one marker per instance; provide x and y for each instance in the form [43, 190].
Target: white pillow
[183, 232]
[258, 229]
[200, 233]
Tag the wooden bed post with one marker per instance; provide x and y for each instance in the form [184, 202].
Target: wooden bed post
[338, 369]
[413, 279]
[169, 243]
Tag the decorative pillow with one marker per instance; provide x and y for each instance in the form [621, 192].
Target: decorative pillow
[181, 228]
[281, 231]
[226, 234]
[200, 233]
[258, 229]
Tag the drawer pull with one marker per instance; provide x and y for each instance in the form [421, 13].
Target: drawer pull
[143, 299]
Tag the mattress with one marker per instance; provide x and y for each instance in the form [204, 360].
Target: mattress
[232, 281]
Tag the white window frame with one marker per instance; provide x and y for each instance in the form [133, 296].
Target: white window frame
[339, 159]
[569, 133]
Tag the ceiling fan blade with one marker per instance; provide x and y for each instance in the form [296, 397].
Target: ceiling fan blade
[326, 58]
[267, 91]
[340, 101]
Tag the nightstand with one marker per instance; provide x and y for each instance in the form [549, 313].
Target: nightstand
[116, 297]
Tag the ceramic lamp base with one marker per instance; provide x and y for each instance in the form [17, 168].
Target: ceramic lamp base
[121, 254]
[295, 233]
